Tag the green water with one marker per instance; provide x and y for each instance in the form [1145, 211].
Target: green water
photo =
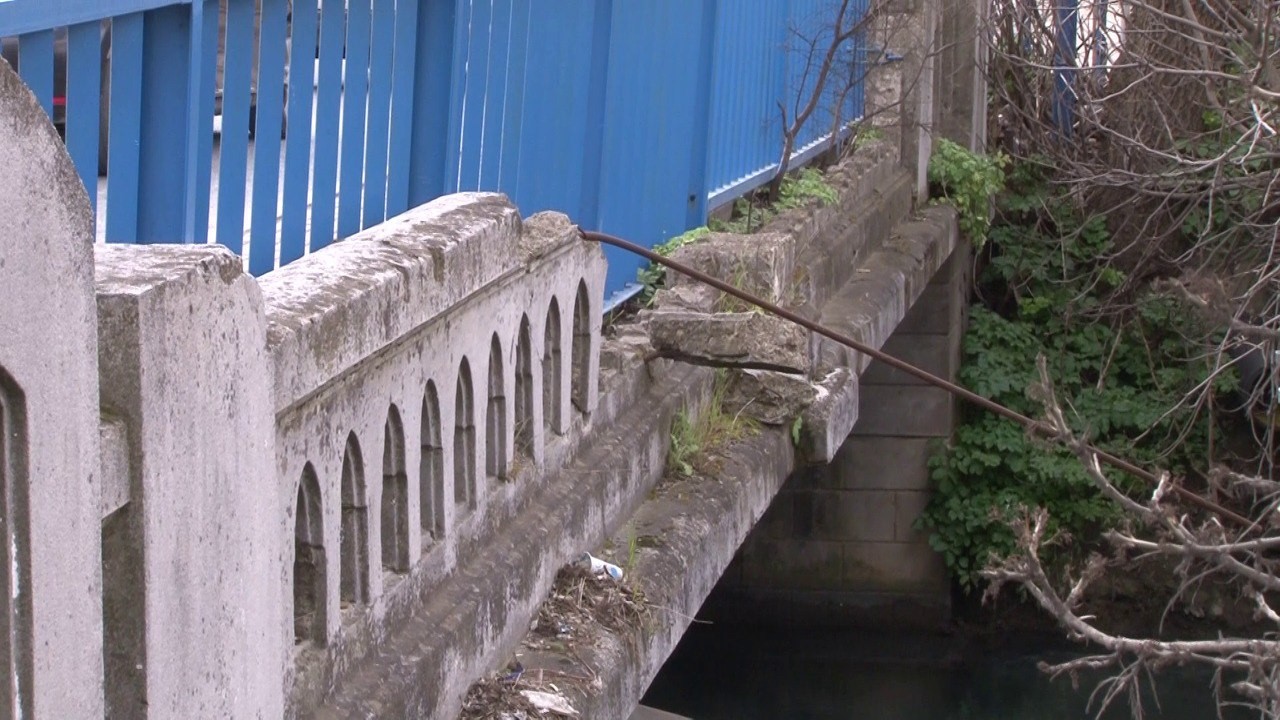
[737, 673]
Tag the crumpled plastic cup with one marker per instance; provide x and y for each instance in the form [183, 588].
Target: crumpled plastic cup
[599, 567]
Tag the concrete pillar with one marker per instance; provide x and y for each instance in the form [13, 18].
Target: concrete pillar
[962, 96]
[50, 582]
[196, 592]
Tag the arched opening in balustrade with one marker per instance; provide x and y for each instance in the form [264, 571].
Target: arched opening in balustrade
[353, 579]
[431, 469]
[464, 439]
[16, 658]
[495, 423]
[524, 393]
[581, 348]
[551, 370]
[308, 561]
[395, 495]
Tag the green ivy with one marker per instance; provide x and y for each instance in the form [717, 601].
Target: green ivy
[1120, 377]
[968, 181]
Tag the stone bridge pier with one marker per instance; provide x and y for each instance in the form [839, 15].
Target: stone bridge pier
[839, 545]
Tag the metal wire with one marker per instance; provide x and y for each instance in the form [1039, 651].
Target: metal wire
[1036, 426]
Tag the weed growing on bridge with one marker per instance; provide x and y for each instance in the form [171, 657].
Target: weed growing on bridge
[697, 439]
[968, 181]
[798, 190]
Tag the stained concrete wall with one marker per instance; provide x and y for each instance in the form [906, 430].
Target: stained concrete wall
[382, 324]
[193, 604]
[50, 593]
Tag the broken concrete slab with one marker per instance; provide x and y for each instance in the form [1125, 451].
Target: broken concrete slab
[826, 422]
[740, 339]
[773, 398]
[761, 264]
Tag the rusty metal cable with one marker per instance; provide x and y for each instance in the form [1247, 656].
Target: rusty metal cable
[1037, 426]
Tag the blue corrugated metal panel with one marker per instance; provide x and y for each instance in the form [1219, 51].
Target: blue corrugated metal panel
[381, 54]
[649, 137]
[513, 115]
[746, 122]
[233, 146]
[84, 87]
[400, 135]
[297, 150]
[268, 124]
[555, 106]
[354, 108]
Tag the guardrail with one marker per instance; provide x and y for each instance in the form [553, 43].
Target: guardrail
[276, 127]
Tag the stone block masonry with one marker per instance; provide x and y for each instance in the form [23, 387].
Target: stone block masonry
[839, 543]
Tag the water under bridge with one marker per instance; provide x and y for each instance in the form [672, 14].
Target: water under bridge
[344, 487]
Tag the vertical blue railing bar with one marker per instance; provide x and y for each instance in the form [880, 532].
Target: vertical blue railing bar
[199, 151]
[162, 140]
[381, 54]
[297, 151]
[495, 105]
[513, 116]
[84, 88]
[324, 183]
[233, 147]
[268, 121]
[35, 65]
[432, 103]
[400, 135]
[125, 126]
[354, 99]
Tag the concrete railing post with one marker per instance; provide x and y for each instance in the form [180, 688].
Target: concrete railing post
[195, 600]
[50, 583]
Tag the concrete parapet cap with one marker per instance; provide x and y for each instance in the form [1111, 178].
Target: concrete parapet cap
[336, 307]
[136, 269]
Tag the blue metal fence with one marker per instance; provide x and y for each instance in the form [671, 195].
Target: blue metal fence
[275, 127]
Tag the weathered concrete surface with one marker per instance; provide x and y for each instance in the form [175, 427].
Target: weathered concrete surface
[183, 361]
[49, 473]
[839, 544]
[748, 340]
[479, 614]
[523, 335]
[773, 398]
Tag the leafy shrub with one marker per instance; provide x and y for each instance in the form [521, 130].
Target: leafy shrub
[968, 181]
[1122, 376]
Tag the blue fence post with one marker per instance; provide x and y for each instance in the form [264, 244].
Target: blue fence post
[432, 87]
[199, 152]
[162, 140]
[84, 88]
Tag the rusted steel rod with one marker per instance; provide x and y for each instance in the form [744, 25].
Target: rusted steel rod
[1037, 426]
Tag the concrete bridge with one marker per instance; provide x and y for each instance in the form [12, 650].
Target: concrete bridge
[344, 489]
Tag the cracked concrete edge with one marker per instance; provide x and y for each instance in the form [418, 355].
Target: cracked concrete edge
[869, 308]
[696, 525]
